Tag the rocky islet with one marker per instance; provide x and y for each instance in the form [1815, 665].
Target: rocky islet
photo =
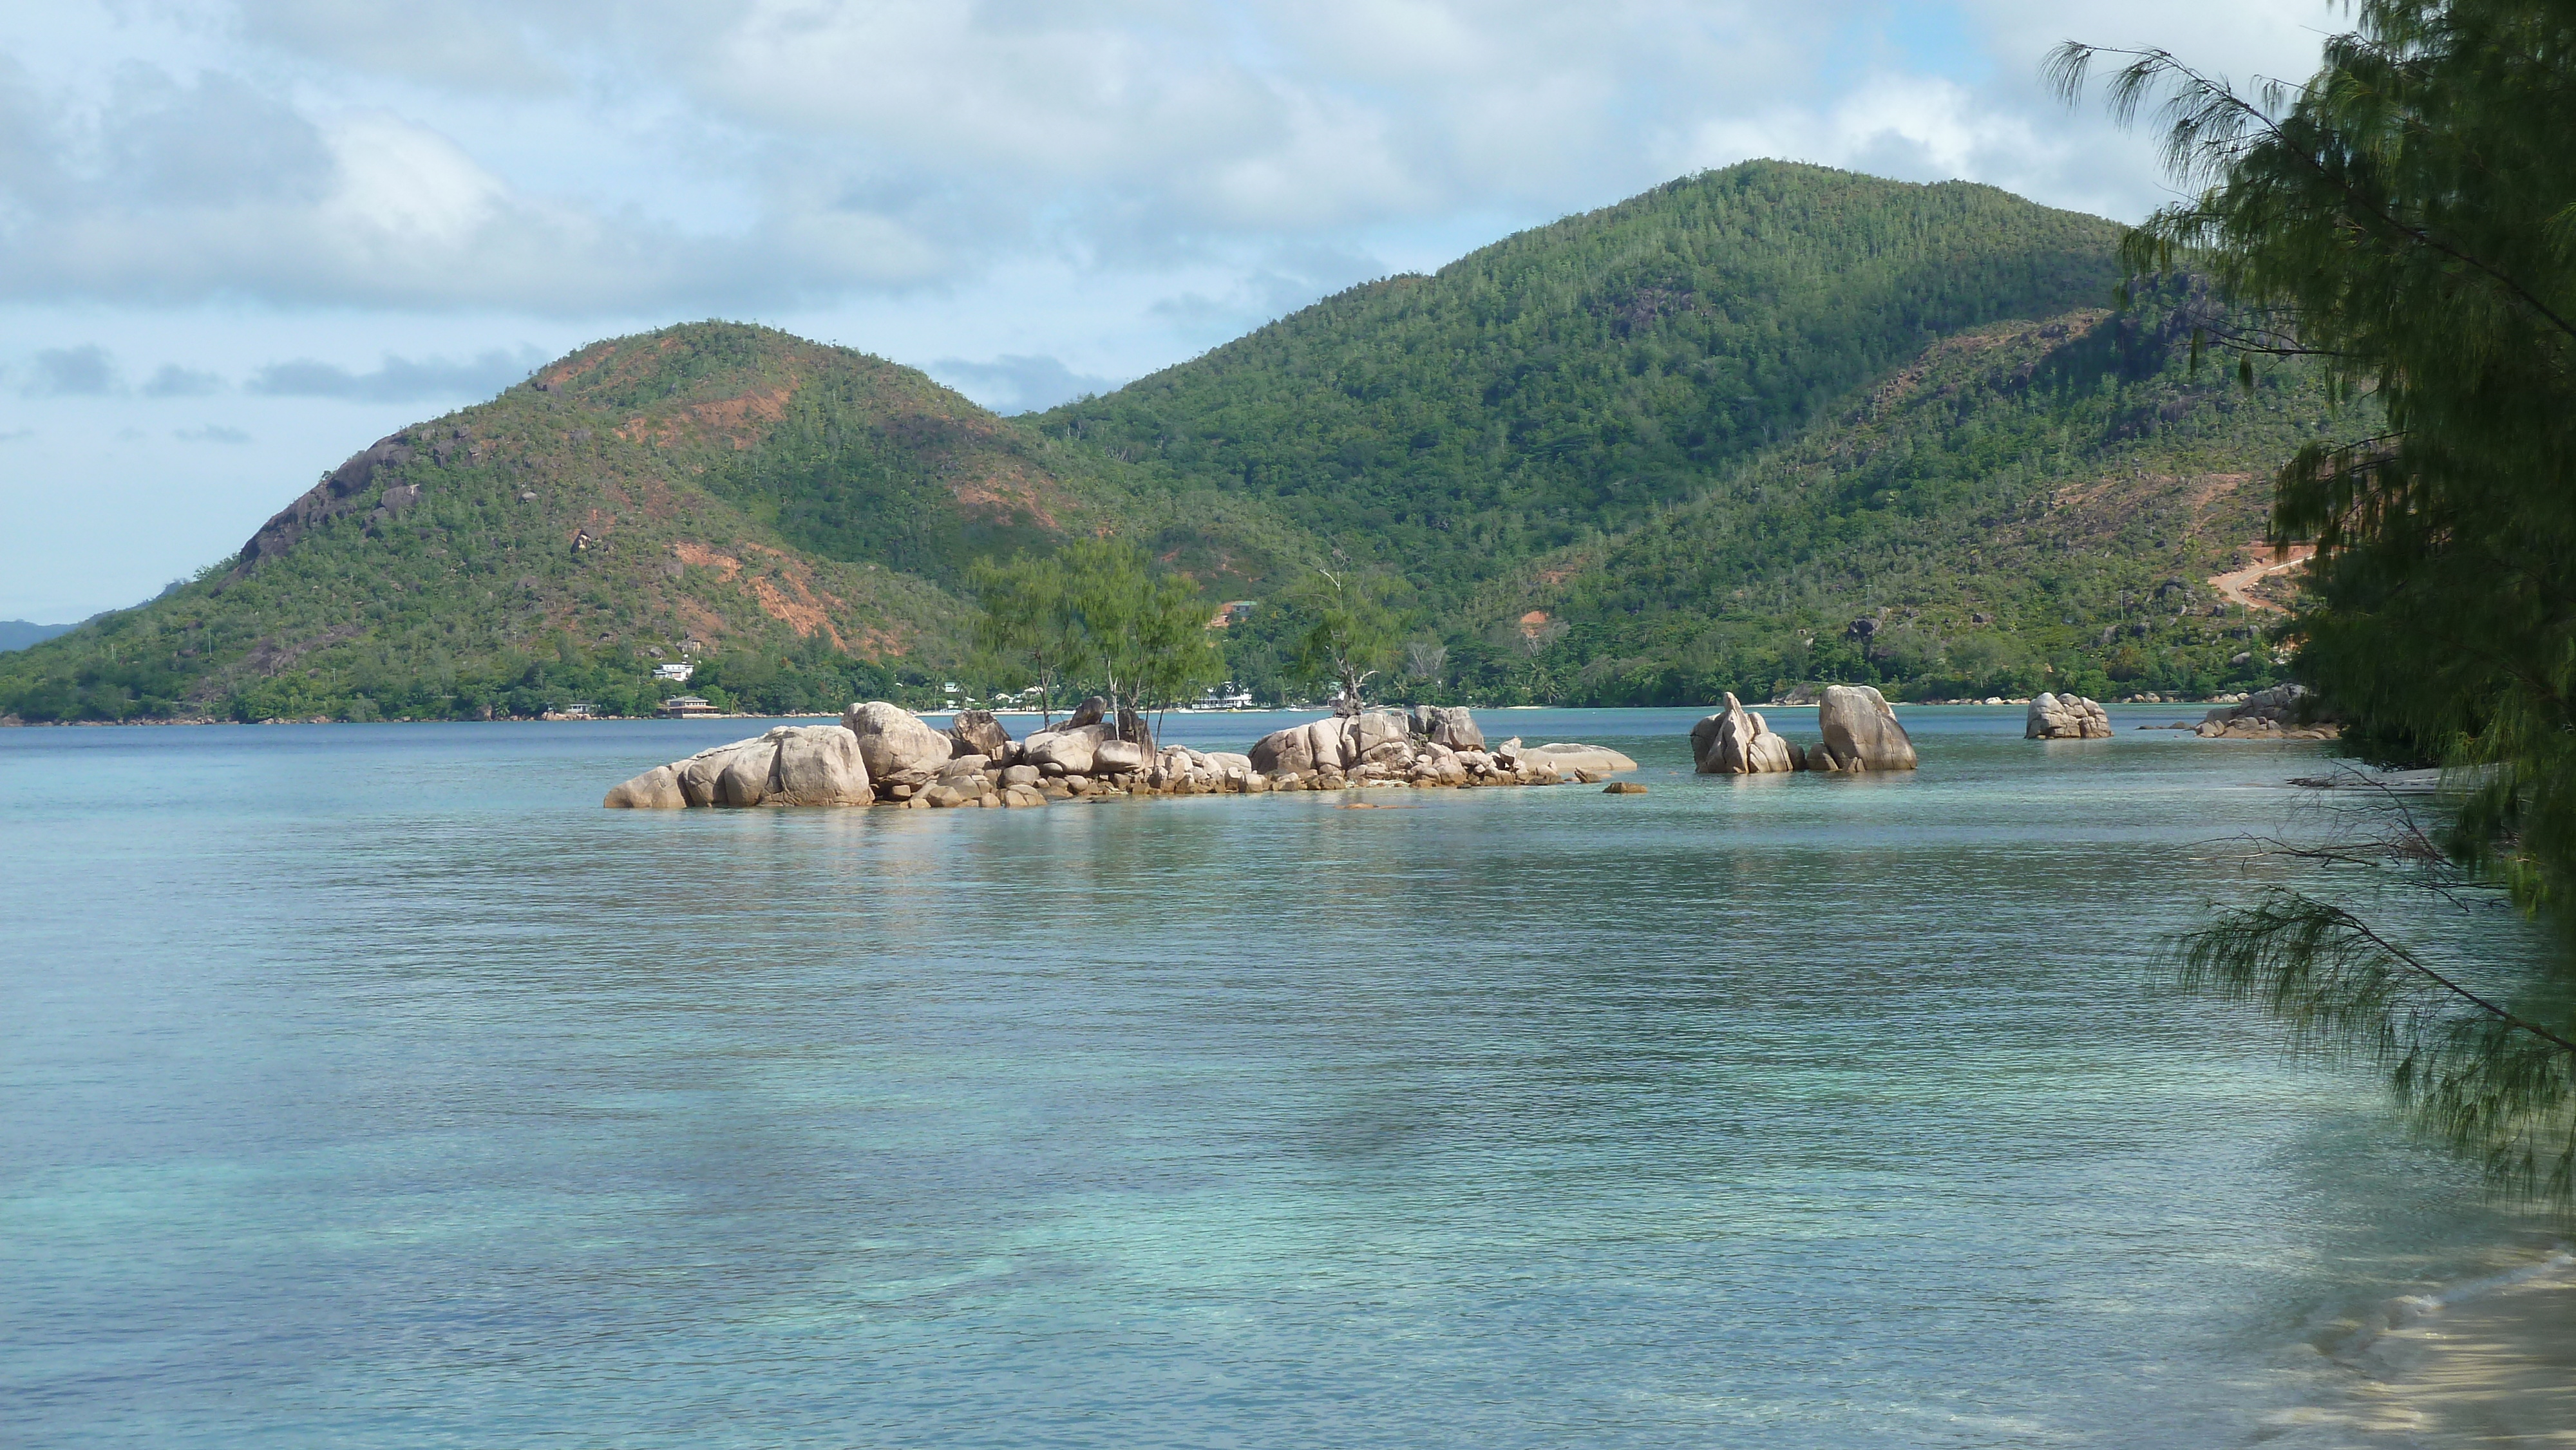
[1858, 728]
[2066, 717]
[882, 754]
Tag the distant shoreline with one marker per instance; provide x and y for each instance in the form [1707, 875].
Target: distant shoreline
[16, 724]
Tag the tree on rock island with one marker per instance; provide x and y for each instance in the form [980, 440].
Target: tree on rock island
[1349, 633]
[1095, 614]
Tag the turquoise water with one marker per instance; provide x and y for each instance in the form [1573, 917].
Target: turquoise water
[369, 1086]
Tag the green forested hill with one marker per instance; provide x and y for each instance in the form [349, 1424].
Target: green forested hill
[783, 511]
[2026, 506]
[1766, 426]
[1576, 377]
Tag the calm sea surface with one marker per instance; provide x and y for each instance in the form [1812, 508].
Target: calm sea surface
[370, 1086]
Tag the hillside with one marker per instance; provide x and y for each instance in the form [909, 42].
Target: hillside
[2026, 506]
[779, 509]
[1767, 426]
[1578, 377]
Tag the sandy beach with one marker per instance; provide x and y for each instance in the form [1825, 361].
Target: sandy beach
[2498, 1369]
[2491, 1364]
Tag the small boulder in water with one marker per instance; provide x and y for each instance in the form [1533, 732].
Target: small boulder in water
[2065, 717]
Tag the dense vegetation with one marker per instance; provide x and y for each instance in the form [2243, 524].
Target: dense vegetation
[2029, 507]
[2407, 221]
[1094, 610]
[558, 544]
[1703, 433]
[1578, 377]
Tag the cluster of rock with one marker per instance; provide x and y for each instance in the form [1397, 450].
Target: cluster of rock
[885, 755]
[2273, 714]
[1737, 741]
[1858, 727]
[2066, 717]
[1432, 746]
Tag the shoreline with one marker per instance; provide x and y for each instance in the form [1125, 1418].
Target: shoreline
[16, 724]
[2488, 1362]
[2494, 1366]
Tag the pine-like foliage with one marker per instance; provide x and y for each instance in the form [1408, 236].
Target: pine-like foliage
[2408, 220]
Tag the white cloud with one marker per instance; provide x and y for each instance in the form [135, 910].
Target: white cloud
[398, 379]
[615, 157]
[1044, 193]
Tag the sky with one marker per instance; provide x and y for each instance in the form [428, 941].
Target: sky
[242, 239]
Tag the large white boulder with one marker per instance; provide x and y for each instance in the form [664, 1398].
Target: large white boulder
[657, 789]
[1329, 741]
[1737, 741]
[1566, 757]
[1859, 732]
[894, 743]
[1117, 757]
[1283, 752]
[977, 732]
[1070, 750]
[818, 765]
[700, 773]
[2065, 717]
[746, 777]
[1375, 729]
[1450, 725]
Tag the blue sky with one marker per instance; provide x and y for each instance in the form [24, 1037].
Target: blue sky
[241, 239]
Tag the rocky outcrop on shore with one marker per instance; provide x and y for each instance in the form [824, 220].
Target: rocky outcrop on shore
[2066, 717]
[884, 755]
[1860, 732]
[1737, 741]
[2283, 712]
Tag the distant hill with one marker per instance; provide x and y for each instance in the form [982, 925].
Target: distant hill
[2025, 506]
[624, 508]
[1578, 377]
[20, 633]
[1766, 426]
